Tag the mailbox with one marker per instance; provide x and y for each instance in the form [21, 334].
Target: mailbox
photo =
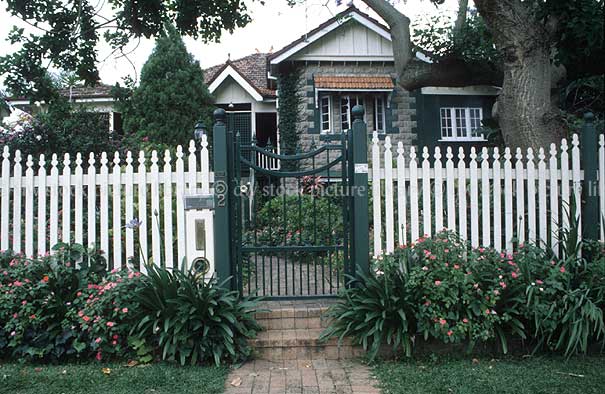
[199, 217]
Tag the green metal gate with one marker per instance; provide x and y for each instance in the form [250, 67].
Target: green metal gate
[296, 232]
[291, 226]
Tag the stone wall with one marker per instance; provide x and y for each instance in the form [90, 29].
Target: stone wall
[402, 124]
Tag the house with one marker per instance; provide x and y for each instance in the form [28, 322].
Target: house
[96, 99]
[345, 61]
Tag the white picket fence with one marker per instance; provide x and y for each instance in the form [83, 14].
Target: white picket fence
[490, 198]
[92, 204]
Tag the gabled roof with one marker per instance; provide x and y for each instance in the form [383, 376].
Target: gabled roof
[325, 28]
[252, 69]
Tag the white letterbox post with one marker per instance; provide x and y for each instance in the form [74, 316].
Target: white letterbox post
[199, 219]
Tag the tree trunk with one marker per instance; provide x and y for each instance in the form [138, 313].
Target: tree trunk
[526, 116]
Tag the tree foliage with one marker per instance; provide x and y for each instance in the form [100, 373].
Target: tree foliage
[171, 96]
[65, 34]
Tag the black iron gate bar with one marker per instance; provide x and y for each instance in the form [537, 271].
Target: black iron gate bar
[271, 250]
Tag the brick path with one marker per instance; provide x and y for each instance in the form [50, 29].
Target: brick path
[301, 377]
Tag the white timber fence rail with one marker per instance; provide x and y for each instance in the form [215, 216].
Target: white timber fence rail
[91, 200]
[491, 197]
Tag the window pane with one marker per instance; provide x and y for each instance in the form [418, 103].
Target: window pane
[325, 114]
[461, 122]
[446, 122]
[379, 114]
[344, 112]
[475, 120]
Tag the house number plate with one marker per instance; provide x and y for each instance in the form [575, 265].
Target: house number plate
[361, 168]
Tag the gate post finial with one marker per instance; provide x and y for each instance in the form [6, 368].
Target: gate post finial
[358, 111]
[219, 115]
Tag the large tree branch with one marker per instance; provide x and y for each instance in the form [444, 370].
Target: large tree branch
[400, 31]
[449, 73]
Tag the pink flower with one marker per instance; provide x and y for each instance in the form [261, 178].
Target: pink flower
[98, 356]
[114, 343]
[86, 318]
[487, 311]
[13, 334]
[456, 266]
[32, 317]
[562, 269]
[538, 281]
[449, 333]
[503, 285]
[442, 322]
[110, 324]
[23, 302]
[425, 268]
[496, 292]
[437, 283]
[15, 315]
[115, 336]
[98, 340]
[124, 310]
[514, 275]
[465, 320]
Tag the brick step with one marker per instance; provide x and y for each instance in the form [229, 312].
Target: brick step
[281, 315]
[301, 344]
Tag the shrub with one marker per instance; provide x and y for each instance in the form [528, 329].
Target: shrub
[375, 310]
[36, 297]
[440, 288]
[189, 320]
[308, 219]
[564, 297]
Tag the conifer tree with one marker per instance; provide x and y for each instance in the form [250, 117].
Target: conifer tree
[171, 96]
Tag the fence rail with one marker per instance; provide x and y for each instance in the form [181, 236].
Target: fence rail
[491, 197]
[91, 202]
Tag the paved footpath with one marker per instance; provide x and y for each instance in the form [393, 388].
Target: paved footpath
[301, 377]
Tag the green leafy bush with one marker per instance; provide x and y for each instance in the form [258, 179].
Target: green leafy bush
[190, 320]
[36, 296]
[564, 297]
[306, 220]
[442, 289]
[378, 309]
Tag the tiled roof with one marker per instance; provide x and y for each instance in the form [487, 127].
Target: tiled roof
[354, 82]
[97, 91]
[252, 67]
[81, 92]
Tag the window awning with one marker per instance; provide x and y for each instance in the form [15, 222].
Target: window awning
[354, 82]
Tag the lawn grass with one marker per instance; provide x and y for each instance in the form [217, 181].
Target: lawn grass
[533, 375]
[90, 378]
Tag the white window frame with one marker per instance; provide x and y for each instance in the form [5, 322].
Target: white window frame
[468, 137]
[321, 114]
[349, 97]
[382, 113]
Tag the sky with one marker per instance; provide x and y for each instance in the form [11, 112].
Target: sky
[273, 26]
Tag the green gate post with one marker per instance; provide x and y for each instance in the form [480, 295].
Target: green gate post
[359, 190]
[589, 160]
[222, 258]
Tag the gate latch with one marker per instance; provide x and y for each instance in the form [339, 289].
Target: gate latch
[199, 201]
